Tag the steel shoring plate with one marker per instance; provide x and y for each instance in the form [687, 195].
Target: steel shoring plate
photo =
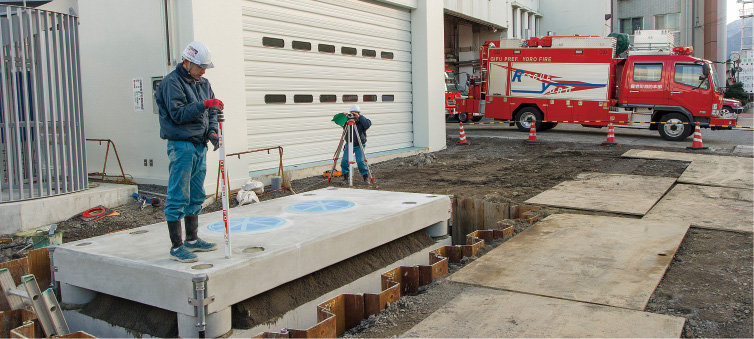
[721, 208]
[706, 169]
[611, 261]
[487, 313]
[617, 193]
[248, 224]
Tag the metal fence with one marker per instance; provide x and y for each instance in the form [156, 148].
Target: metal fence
[42, 144]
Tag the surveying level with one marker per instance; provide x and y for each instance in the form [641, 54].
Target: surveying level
[348, 121]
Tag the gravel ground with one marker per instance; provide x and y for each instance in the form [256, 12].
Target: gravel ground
[709, 281]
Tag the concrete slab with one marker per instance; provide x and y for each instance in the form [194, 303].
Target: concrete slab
[721, 208]
[605, 260]
[617, 193]
[299, 234]
[486, 313]
[707, 169]
[30, 214]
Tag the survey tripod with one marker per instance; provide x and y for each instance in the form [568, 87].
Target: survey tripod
[350, 131]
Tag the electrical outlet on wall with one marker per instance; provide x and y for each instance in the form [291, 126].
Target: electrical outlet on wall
[151, 164]
[145, 162]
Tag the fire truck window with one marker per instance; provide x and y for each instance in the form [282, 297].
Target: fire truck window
[386, 55]
[303, 98]
[389, 97]
[369, 53]
[301, 45]
[274, 99]
[326, 48]
[273, 42]
[348, 51]
[350, 98]
[328, 98]
[370, 98]
[647, 72]
[688, 74]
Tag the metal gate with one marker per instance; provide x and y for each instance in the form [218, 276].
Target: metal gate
[42, 151]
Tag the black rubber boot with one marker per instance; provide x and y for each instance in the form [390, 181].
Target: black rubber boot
[366, 179]
[192, 227]
[174, 227]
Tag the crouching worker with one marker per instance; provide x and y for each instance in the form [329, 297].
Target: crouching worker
[188, 120]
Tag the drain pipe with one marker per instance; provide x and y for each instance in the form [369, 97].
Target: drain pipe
[200, 303]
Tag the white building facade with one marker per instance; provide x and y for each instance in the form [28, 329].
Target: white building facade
[283, 68]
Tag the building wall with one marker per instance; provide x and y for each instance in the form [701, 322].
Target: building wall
[582, 17]
[492, 12]
[115, 51]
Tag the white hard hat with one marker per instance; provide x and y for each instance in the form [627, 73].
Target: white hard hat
[199, 54]
[355, 108]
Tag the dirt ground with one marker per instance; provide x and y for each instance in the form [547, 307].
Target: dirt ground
[709, 281]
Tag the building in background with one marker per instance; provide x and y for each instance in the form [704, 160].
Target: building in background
[576, 17]
[697, 23]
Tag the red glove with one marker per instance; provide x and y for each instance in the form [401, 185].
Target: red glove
[213, 103]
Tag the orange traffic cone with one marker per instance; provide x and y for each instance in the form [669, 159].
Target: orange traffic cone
[532, 134]
[697, 144]
[610, 136]
[462, 136]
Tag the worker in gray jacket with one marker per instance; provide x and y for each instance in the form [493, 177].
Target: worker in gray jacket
[188, 120]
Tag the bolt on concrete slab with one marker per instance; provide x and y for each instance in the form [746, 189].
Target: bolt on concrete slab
[617, 193]
[274, 242]
[486, 313]
[605, 260]
[707, 169]
[720, 208]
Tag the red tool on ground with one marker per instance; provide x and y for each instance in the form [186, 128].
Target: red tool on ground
[224, 177]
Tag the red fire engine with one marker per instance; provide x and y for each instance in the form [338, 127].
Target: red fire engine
[580, 79]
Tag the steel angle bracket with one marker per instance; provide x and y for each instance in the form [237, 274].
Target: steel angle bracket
[203, 302]
[12, 295]
[46, 307]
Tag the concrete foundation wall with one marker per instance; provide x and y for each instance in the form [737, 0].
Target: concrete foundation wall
[30, 214]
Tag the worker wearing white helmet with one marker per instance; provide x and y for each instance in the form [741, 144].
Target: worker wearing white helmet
[188, 121]
[362, 125]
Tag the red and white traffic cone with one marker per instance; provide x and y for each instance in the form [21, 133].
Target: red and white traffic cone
[610, 136]
[697, 144]
[532, 134]
[462, 136]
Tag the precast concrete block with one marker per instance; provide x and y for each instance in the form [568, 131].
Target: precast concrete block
[73, 295]
[273, 242]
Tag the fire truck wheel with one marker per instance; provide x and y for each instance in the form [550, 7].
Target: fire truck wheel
[463, 117]
[675, 127]
[524, 117]
[476, 119]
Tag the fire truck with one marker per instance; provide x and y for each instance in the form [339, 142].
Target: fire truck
[586, 80]
[453, 92]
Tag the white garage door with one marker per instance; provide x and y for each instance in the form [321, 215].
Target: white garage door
[306, 60]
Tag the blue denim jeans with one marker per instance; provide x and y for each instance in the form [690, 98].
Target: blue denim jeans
[359, 160]
[188, 167]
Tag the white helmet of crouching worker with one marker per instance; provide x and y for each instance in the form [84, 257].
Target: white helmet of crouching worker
[355, 108]
[198, 54]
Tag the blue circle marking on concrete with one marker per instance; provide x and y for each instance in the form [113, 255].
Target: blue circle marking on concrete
[317, 206]
[248, 224]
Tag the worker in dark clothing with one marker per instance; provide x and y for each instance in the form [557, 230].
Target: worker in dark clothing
[362, 125]
[188, 120]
